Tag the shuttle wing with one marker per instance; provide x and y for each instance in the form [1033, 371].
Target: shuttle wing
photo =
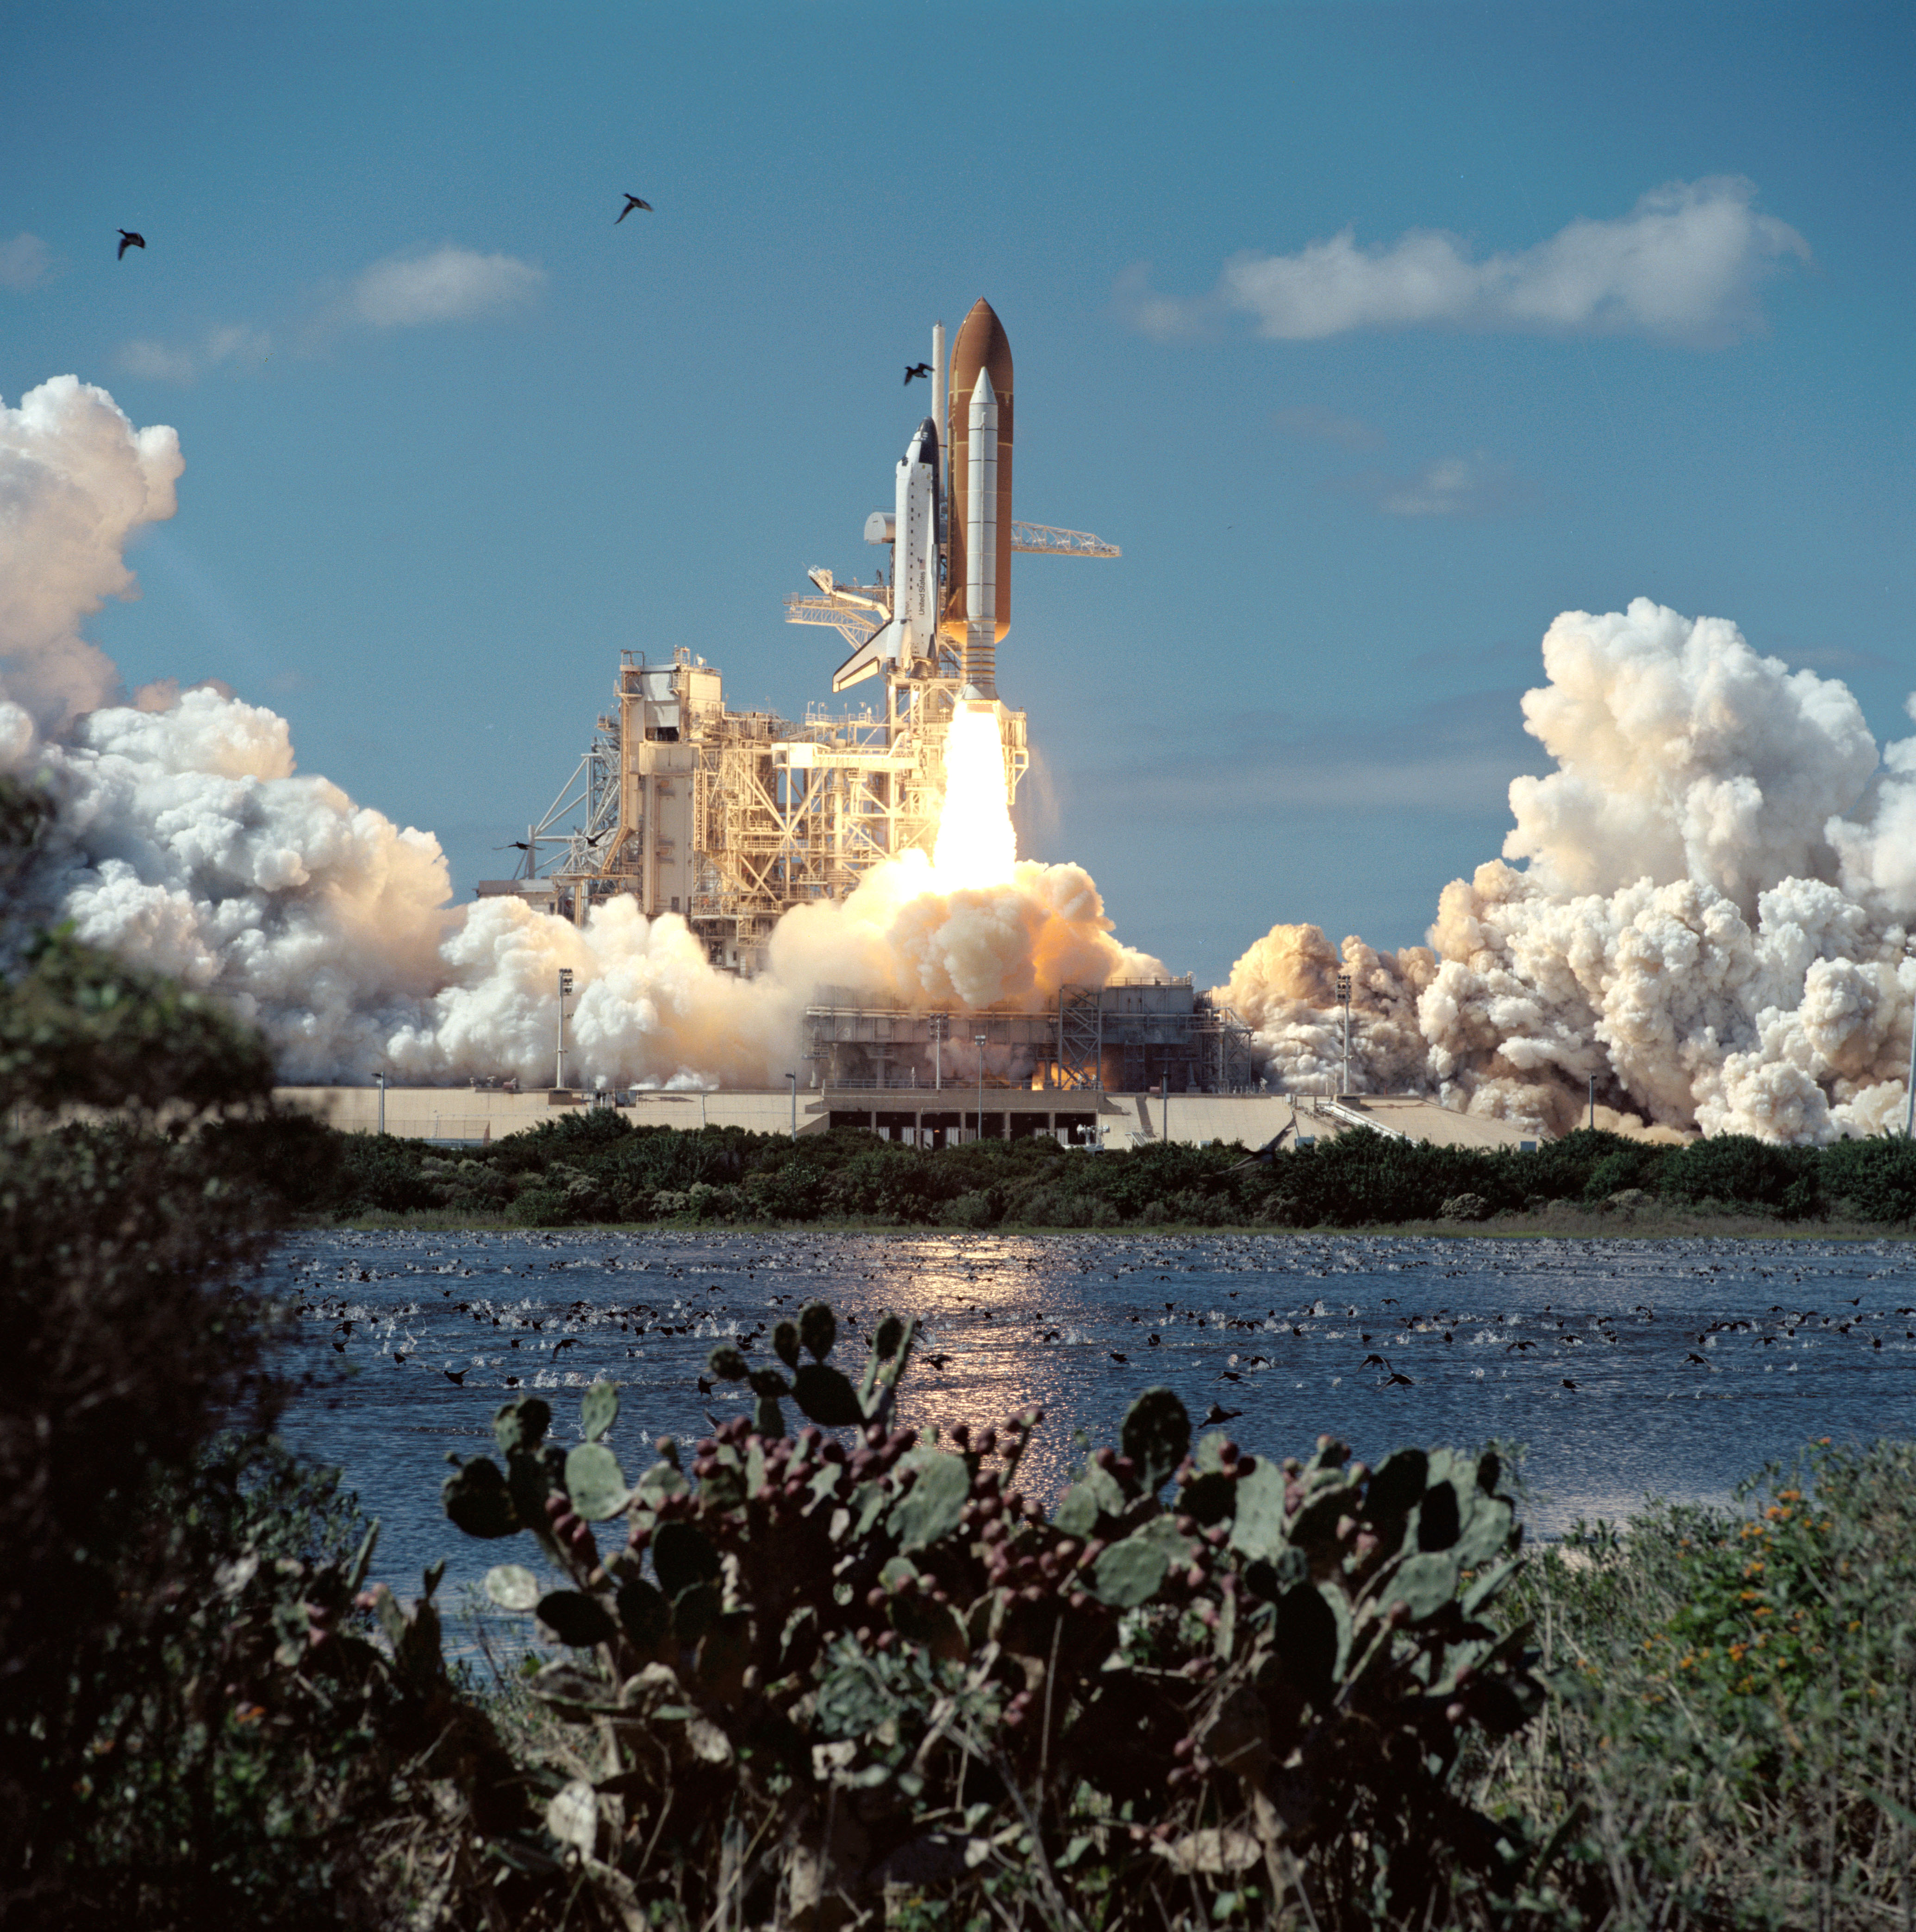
[868, 660]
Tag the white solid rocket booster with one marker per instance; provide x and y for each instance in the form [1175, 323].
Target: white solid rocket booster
[981, 542]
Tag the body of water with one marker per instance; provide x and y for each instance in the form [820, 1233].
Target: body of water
[1624, 1368]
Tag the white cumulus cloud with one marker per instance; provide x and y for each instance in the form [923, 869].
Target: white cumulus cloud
[1452, 486]
[76, 480]
[238, 343]
[1685, 264]
[25, 261]
[448, 284]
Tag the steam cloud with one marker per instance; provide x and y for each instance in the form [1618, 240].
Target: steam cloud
[1720, 876]
[1711, 924]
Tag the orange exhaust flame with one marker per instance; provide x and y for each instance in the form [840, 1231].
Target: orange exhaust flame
[976, 845]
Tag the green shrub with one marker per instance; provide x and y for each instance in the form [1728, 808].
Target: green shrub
[1733, 1742]
[1739, 1169]
[969, 1210]
[538, 1207]
[1876, 1178]
[605, 1169]
[382, 1171]
[1628, 1167]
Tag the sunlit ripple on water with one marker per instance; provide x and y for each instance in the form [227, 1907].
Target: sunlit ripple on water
[1797, 1339]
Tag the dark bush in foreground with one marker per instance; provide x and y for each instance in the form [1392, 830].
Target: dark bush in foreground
[190, 1732]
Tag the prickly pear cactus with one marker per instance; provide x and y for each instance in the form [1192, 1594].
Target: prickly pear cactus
[865, 1626]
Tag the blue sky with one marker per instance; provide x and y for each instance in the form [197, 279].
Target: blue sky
[452, 439]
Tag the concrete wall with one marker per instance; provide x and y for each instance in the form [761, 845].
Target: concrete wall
[466, 1113]
[1128, 1119]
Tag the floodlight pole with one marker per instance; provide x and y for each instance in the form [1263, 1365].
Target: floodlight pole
[979, 1039]
[1592, 1103]
[382, 1079]
[793, 1078]
[558, 1058]
[1344, 1001]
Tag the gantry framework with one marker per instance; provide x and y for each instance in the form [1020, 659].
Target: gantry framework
[732, 818]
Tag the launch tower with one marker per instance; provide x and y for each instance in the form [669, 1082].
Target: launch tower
[732, 818]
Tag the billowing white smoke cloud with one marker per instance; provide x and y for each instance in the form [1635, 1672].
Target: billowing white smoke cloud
[1712, 923]
[1719, 885]
[76, 480]
[186, 838]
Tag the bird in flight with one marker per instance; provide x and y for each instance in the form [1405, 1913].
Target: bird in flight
[1220, 1414]
[632, 201]
[128, 239]
[1399, 1380]
[917, 369]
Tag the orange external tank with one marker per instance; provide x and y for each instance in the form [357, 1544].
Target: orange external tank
[982, 344]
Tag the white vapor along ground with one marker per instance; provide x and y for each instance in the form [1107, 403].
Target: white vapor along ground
[1708, 914]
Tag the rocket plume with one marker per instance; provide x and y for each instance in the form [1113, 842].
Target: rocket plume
[1708, 911]
[976, 845]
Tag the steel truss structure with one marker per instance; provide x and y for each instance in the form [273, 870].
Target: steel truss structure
[731, 818]
[1132, 1036]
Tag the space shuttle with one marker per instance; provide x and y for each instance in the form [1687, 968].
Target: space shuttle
[910, 527]
[949, 530]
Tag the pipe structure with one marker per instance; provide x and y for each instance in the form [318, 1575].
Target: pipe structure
[940, 373]
[981, 541]
[559, 1057]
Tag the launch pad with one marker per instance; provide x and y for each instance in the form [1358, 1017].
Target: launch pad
[731, 818]
[1130, 1036]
